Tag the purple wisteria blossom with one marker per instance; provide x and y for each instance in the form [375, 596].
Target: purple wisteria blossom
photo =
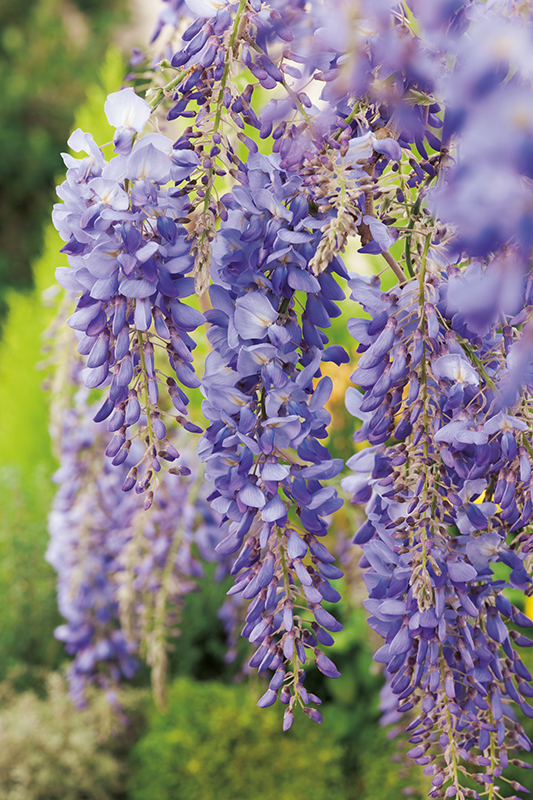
[296, 127]
[265, 401]
[115, 561]
[129, 259]
[446, 486]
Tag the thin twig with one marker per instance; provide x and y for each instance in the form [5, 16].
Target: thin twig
[395, 267]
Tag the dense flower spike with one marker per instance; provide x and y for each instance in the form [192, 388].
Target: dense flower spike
[446, 498]
[122, 571]
[262, 448]
[296, 126]
[129, 259]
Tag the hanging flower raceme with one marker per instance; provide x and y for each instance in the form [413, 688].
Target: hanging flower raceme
[449, 498]
[122, 571]
[221, 42]
[84, 511]
[265, 400]
[129, 259]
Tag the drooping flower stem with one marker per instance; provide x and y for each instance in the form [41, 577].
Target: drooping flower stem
[230, 55]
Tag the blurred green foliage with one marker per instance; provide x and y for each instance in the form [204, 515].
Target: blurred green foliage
[50, 751]
[201, 647]
[28, 605]
[25, 410]
[214, 742]
[28, 608]
[50, 51]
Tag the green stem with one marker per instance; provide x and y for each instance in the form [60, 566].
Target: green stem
[423, 266]
[284, 305]
[415, 208]
[348, 119]
[160, 94]
[220, 100]
[408, 262]
[288, 594]
[408, 241]
[146, 395]
[492, 762]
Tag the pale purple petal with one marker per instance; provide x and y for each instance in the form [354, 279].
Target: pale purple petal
[205, 8]
[125, 109]
[253, 315]
[273, 510]
[460, 571]
[502, 422]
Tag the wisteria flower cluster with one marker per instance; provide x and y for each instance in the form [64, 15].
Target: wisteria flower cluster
[290, 131]
[122, 571]
[448, 499]
[263, 402]
[129, 258]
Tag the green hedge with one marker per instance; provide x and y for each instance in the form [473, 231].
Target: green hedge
[214, 742]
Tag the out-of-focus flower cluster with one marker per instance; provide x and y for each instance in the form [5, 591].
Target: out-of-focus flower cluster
[122, 571]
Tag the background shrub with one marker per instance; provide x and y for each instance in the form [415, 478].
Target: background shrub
[213, 742]
[48, 751]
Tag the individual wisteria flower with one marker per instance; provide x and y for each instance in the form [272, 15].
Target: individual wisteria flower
[129, 260]
[122, 571]
[266, 409]
[129, 114]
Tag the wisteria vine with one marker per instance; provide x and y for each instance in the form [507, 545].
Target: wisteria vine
[283, 133]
